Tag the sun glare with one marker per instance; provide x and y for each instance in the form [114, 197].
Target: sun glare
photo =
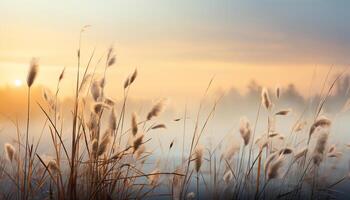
[18, 83]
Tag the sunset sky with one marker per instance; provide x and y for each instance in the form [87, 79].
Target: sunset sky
[177, 46]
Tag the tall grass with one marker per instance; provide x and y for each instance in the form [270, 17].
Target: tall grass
[104, 160]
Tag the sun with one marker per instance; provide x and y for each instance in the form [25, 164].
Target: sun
[18, 83]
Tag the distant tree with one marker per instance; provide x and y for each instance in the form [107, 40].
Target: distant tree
[291, 94]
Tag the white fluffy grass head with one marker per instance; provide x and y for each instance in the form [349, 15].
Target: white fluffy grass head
[53, 167]
[320, 122]
[265, 99]
[137, 142]
[198, 157]
[10, 151]
[96, 90]
[245, 130]
[320, 147]
[273, 170]
[190, 196]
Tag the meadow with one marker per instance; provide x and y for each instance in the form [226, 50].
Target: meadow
[107, 155]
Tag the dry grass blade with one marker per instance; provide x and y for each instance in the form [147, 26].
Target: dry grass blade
[283, 112]
[158, 126]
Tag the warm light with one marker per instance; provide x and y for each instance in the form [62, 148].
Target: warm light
[18, 83]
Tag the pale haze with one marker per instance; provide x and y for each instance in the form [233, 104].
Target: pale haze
[178, 46]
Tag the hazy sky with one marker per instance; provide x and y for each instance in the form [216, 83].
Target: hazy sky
[177, 45]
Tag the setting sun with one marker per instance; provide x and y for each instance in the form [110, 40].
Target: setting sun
[17, 83]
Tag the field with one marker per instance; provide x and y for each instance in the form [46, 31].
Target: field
[107, 155]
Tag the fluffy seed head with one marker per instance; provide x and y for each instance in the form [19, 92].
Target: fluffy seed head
[10, 151]
[269, 159]
[97, 107]
[245, 130]
[109, 101]
[94, 146]
[133, 77]
[320, 146]
[111, 61]
[110, 57]
[134, 127]
[33, 70]
[112, 123]
[285, 151]
[199, 158]
[93, 121]
[190, 196]
[265, 99]
[137, 142]
[52, 166]
[96, 90]
[156, 110]
[321, 121]
[126, 82]
[273, 169]
[102, 83]
[130, 79]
